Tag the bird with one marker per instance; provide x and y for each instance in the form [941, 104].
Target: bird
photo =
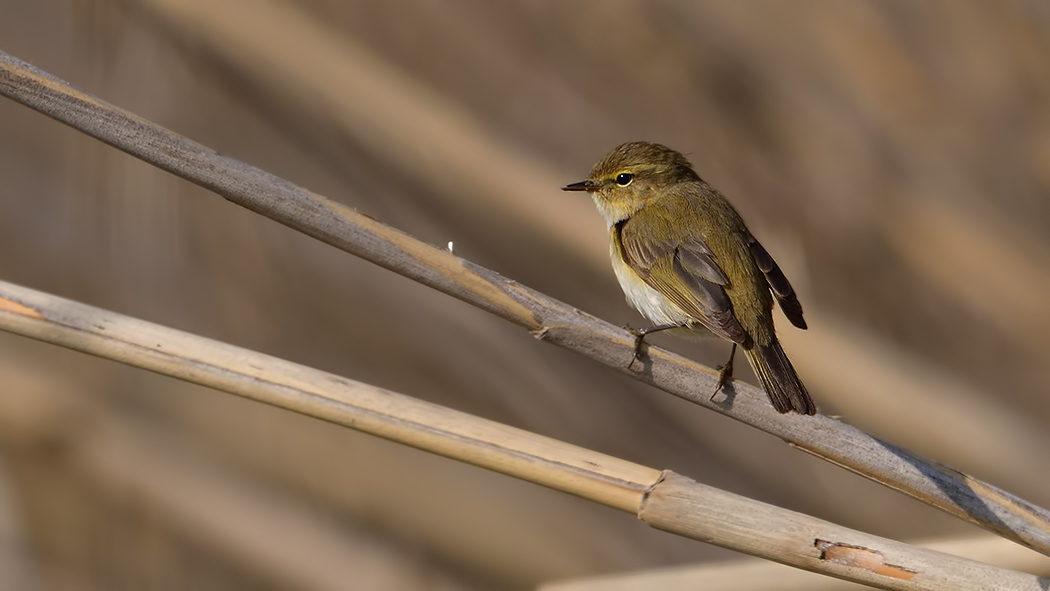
[686, 261]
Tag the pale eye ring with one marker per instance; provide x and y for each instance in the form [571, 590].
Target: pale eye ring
[624, 178]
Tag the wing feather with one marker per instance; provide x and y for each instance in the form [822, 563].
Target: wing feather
[778, 283]
[687, 274]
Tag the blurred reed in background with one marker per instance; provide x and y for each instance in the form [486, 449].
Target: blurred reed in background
[893, 156]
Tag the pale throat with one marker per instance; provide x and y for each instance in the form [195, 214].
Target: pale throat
[614, 211]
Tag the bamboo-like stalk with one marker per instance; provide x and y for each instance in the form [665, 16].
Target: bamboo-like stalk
[548, 319]
[664, 500]
[748, 574]
[263, 378]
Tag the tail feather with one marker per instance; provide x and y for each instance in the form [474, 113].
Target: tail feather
[786, 391]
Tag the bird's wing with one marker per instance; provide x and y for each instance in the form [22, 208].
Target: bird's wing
[687, 274]
[778, 283]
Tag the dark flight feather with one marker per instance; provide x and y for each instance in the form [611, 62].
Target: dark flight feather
[782, 289]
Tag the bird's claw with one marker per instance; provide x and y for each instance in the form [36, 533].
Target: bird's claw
[725, 374]
[639, 341]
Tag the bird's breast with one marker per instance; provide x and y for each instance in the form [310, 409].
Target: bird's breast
[651, 303]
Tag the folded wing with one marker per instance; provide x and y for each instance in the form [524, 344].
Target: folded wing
[687, 274]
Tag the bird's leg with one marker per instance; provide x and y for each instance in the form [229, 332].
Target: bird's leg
[725, 373]
[639, 337]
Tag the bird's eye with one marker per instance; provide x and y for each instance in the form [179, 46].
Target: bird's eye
[624, 178]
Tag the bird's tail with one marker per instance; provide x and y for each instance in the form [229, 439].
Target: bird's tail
[786, 391]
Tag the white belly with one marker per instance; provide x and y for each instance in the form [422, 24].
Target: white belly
[652, 304]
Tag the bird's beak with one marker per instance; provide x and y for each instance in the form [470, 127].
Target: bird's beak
[587, 185]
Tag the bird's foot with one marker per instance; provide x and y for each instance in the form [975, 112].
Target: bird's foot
[639, 338]
[725, 373]
[639, 341]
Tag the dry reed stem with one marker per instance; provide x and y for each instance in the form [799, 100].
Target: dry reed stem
[550, 320]
[749, 574]
[663, 500]
[263, 378]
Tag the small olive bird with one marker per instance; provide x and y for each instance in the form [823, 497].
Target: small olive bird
[686, 261]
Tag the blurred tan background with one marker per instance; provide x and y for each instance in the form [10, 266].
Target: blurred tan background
[894, 157]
